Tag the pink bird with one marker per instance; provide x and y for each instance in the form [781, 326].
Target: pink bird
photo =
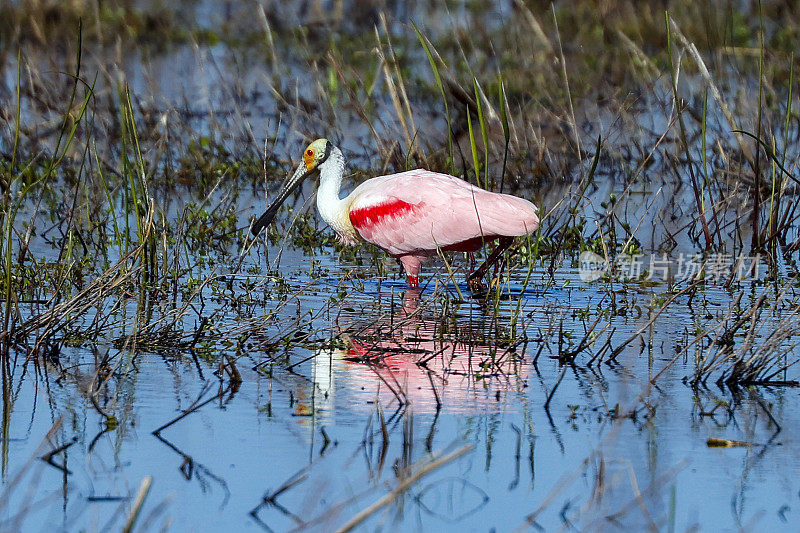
[411, 215]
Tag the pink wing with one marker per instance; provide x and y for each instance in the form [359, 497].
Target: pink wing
[419, 211]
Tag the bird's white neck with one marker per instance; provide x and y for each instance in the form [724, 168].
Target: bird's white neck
[332, 209]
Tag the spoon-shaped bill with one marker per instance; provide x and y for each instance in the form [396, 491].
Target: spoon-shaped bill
[290, 185]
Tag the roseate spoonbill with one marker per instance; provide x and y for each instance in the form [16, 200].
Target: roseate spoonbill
[410, 215]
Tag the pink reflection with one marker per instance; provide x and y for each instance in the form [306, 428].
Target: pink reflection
[410, 359]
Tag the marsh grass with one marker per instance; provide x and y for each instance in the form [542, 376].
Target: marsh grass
[637, 131]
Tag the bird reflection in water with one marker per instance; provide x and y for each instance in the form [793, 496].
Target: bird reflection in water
[415, 357]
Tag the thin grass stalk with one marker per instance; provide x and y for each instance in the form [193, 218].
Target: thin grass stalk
[144, 488]
[393, 92]
[756, 237]
[563, 61]
[7, 220]
[787, 122]
[450, 272]
[484, 134]
[773, 219]
[128, 197]
[8, 293]
[54, 163]
[424, 41]
[474, 150]
[501, 96]
[131, 196]
[684, 141]
[400, 84]
[55, 160]
[703, 153]
[268, 37]
[72, 95]
[144, 204]
[412, 474]
[135, 138]
[531, 262]
[585, 182]
[777, 188]
[67, 261]
[104, 182]
[76, 122]
[137, 180]
[17, 114]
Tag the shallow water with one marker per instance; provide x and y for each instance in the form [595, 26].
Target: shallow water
[609, 451]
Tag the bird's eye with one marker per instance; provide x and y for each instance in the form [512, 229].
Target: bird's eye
[310, 153]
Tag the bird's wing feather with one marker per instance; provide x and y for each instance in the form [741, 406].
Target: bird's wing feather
[419, 211]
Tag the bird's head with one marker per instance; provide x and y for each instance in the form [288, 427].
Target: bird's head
[316, 154]
[313, 156]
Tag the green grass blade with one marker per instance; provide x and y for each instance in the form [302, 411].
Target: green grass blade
[484, 132]
[501, 96]
[16, 125]
[474, 149]
[440, 86]
[788, 107]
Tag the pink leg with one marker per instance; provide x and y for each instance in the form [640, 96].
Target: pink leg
[411, 264]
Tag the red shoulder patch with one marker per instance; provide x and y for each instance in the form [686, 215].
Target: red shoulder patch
[369, 216]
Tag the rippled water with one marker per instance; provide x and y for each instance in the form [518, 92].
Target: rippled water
[608, 451]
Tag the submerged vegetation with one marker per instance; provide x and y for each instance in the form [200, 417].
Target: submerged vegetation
[659, 139]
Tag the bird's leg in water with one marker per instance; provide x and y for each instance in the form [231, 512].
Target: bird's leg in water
[474, 279]
[471, 256]
[477, 286]
[411, 265]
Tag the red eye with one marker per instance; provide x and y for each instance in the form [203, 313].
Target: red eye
[310, 153]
